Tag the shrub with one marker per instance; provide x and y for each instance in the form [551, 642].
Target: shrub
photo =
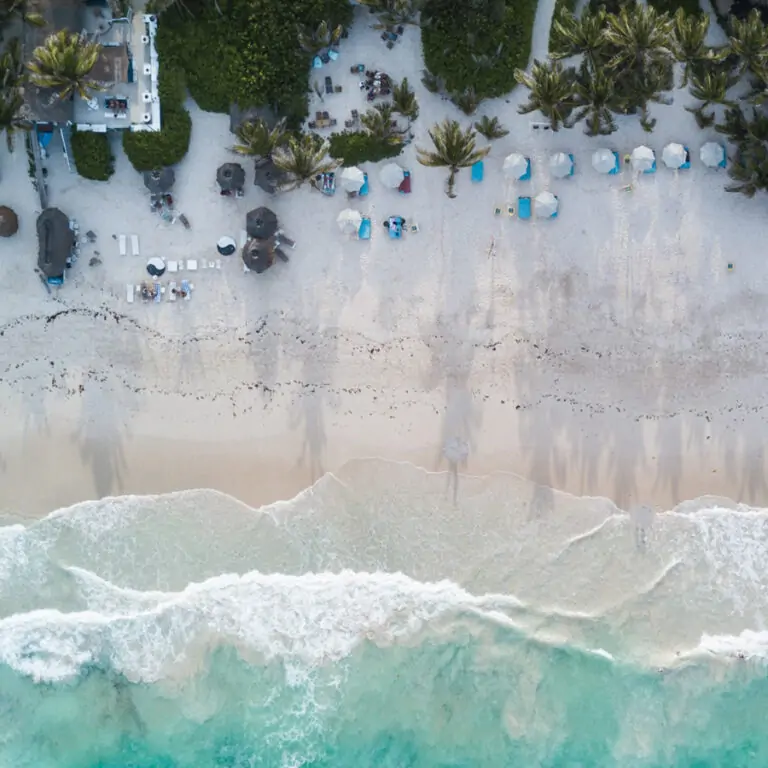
[92, 155]
[359, 147]
[475, 47]
[670, 6]
[248, 56]
[156, 149]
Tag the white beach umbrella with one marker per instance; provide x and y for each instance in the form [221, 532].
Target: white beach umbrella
[673, 155]
[546, 205]
[515, 166]
[560, 165]
[391, 175]
[349, 220]
[603, 160]
[712, 154]
[352, 179]
[642, 158]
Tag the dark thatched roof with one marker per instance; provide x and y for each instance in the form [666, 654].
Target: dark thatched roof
[9, 221]
[55, 239]
[268, 176]
[259, 255]
[160, 181]
[231, 177]
[261, 223]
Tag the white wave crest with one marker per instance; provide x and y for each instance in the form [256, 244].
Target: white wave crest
[747, 645]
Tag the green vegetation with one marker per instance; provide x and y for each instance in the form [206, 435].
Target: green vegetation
[302, 158]
[93, 155]
[63, 63]
[691, 7]
[490, 128]
[256, 139]
[251, 53]
[477, 44]
[454, 149]
[353, 148]
[11, 99]
[562, 8]
[156, 149]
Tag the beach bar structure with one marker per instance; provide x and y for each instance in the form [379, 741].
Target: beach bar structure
[127, 70]
[55, 243]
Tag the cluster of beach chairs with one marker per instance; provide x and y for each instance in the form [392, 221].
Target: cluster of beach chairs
[641, 161]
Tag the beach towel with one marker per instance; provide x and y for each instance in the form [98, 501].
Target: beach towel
[364, 233]
[478, 171]
[524, 207]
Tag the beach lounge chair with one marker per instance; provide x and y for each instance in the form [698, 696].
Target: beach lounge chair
[573, 164]
[395, 228]
[129, 292]
[172, 291]
[524, 207]
[187, 287]
[478, 171]
[364, 233]
[192, 265]
[652, 169]
[123, 245]
[617, 167]
[364, 189]
[687, 164]
[135, 245]
[158, 292]
[333, 54]
[527, 175]
[405, 186]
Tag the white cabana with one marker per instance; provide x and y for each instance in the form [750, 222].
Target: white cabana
[515, 166]
[674, 155]
[349, 221]
[560, 165]
[391, 175]
[642, 159]
[712, 154]
[604, 161]
[352, 179]
[546, 205]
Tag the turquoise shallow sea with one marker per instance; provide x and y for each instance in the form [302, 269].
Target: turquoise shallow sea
[359, 627]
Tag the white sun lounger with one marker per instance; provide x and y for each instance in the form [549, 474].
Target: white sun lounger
[129, 292]
[192, 265]
[121, 241]
[173, 266]
[135, 245]
[172, 291]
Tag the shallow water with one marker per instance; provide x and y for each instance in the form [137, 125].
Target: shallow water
[372, 621]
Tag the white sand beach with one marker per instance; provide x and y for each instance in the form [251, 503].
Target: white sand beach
[607, 352]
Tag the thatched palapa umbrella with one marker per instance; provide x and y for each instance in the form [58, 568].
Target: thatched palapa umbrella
[56, 240]
[159, 181]
[261, 223]
[231, 177]
[9, 221]
[259, 255]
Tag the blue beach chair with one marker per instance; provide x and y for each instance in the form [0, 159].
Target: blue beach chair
[364, 233]
[158, 292]
[687, 164]
[478, 170]
[527, 175]
[524, 207]
[724, 161]
[364, 189]
[617, 167]
[573, 164]
[652, 169]
[186, 288]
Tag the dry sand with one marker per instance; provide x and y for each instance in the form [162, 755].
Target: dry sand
[608, 352]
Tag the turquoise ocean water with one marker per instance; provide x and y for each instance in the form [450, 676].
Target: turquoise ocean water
[373, 622]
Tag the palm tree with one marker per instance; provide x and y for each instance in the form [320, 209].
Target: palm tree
[303, 158]
[596, 99]
[647, 86]
[467, 100]
[404, 101]
[11, 64]
[10, 9]
[314, 40]
[454, 149]
[640, 38]
[63, 64]
[551, 91]
[379, 122]
[490, 127]
[749, 170]
[11, 104]
[583, 36]
[257, 139]
[749, 43]
[710, 88]
[689, 45]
